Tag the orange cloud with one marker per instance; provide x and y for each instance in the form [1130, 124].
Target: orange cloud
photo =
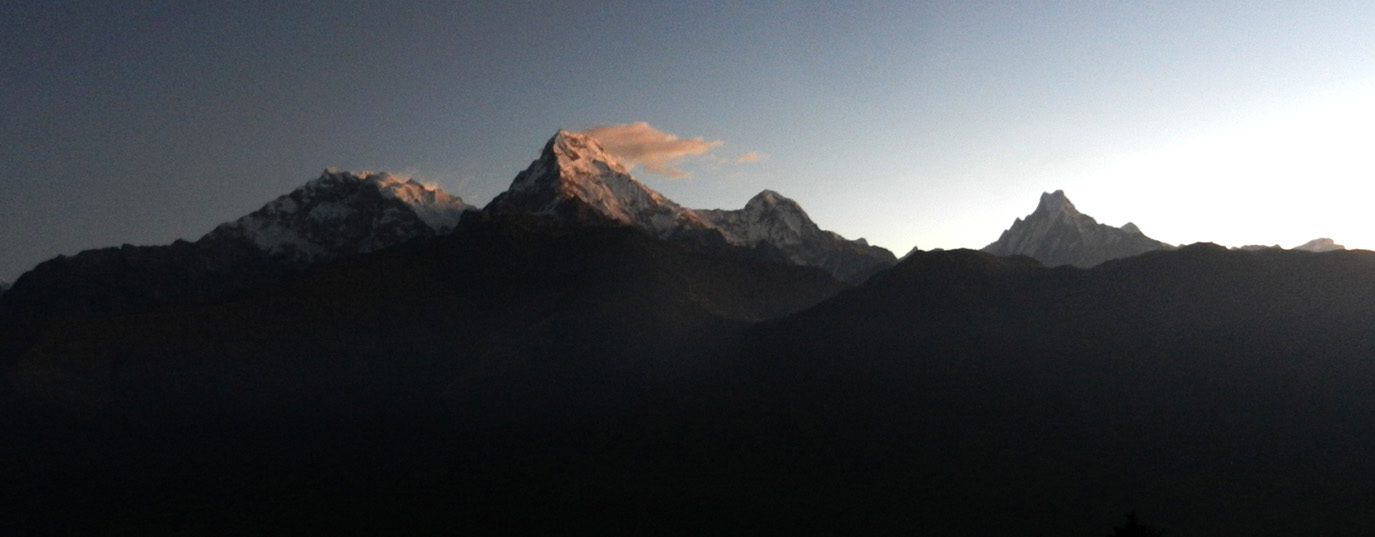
[752, 156]
[639, 143]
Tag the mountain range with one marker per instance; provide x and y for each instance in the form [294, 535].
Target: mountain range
[585, 355]
[577, 180]
[333, 217]
[341, 214]
[1056, 233]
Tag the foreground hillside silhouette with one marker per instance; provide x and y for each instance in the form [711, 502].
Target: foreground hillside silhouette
[529, 377]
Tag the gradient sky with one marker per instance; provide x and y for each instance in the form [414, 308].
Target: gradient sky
[927, 124]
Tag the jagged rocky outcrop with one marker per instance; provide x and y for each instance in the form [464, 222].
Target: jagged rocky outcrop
[577, 180]
[1058, 234]
[337, 215]
[769, 218]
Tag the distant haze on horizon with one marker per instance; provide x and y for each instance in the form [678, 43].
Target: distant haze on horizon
[909, 124]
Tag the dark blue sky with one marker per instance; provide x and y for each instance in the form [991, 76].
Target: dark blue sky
[928, 124]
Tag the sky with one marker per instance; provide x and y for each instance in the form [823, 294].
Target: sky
[926, 124]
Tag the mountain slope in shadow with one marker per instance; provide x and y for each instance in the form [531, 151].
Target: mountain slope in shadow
[520, 375]
[1219, 391]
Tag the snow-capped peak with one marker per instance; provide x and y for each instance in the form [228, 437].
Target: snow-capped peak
[767, 217]
[1058, 234]
[434, 206]
[769, 199]
[342, 213]
[770, 218]
[576, 177]
[573, 156]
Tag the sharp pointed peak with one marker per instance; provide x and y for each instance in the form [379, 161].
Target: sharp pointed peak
[577, 179]
[567, 146]
[1058, 234]
[565, 135]
[567, 138]
[1055, 202]
[771, 199]
[770, 196]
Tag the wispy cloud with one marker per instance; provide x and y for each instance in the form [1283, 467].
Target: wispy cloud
[639, 143]
[752, 156]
